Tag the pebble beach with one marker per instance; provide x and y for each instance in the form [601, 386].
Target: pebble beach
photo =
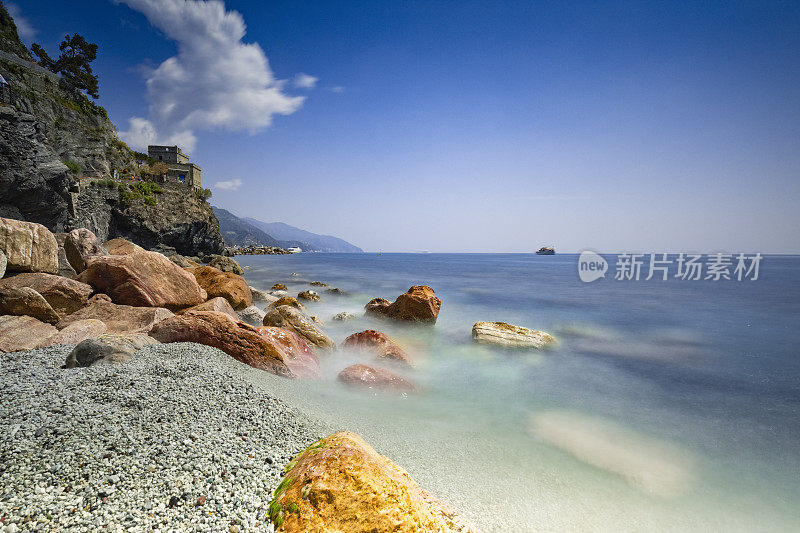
[177, 439]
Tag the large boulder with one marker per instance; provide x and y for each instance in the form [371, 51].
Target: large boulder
[510, 336]
[76, 332]
[226, 264]
[26, 301]
[144, 279]
[275, 350]
[118, 318]
[19, 333]
[294, 320]
[370, 377]
[120, 246]
[215, 304]
[419, 304]
[377, 343]
[340, 483]
[28, 247]
[64, 295]
[230, 286]
[81, 245]
[107, 349]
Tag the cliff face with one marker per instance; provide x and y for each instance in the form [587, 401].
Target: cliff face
[51, 136]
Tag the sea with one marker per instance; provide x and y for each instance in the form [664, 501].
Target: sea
[668, 405]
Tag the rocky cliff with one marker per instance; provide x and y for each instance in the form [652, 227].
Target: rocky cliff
[51, 136]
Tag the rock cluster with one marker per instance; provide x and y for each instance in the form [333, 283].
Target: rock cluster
[418, 304]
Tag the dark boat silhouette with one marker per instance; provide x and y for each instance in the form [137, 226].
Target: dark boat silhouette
[546, 250]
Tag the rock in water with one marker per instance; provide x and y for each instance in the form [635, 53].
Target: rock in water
[275, 350]
[144, 279]
[510, 336]
[419, 304]
[226, 264]
[18, 333]
[64, 295]
[120, 246]
[230, 286]
[3, 263]
[287, 300]
[108, 348]
[378, 343]
[81, 245]
[310, 296]
[215, 304]
[76, 332]
[279, 287]
[26, 301]
[293, 319]
[340, 483]
[28, 247]
[261, 296]
[367, 376]
[118, 318]
[344, 316]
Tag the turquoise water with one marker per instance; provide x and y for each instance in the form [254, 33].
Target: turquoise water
[668, 405]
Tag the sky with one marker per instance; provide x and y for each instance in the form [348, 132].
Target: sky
[496, 126]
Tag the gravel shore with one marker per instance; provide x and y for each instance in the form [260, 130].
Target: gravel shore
[174, 440]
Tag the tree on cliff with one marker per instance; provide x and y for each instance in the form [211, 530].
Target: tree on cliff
[74, 63]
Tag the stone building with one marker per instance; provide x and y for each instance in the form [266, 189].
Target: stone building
[179, 168]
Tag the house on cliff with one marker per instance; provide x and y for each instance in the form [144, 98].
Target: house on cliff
[179, 168]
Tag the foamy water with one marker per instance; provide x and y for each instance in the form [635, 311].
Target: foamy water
[668, 406]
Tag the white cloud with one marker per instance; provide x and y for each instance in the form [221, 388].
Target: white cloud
[25, 29]
[229, 185]
[305, 81]
[336, 89]
[214, 82]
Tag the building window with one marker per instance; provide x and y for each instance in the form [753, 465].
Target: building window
[160, 158]
[182, 178]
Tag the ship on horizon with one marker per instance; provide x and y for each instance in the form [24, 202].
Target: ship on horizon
[546, 250]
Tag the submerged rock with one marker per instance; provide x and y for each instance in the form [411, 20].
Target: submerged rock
[310, 296]
[107, 349]
[318, 284]
[344, 316]
[379, 344]
[340, 483]
[18, 333]
[279, 287]
[293, 319]
[230, 286]
[418, 304]
[117, 318]
[144, 279]
[510, 336]
[26, 301]
[64, 295]
[336, 291]
[367, 376]
[275, 350]
[28, 247]
[81, 245]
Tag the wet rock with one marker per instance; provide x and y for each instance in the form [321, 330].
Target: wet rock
[419, 304]
[318, 284]
[215, 304]
[26, 301]
[76, 332]
[377, 343]
[293, 319]
[28, 247]
[18, 333]
[344, 316]
[370, 377]
[310, 296]
[226, 264]
[510, 336]
[81, 245]
[120, 246]
[335, 291]
[279, 287]
[144, 279]
[117, 318]
[107, 349]
[64, 295]
[340, 483]
[275, 350]
[228, 285]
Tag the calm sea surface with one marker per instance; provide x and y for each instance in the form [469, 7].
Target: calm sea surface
[668, 406]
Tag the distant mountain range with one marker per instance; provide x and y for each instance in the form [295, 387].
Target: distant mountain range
[249, 231]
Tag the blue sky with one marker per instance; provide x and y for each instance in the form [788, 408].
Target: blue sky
[469, 126]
